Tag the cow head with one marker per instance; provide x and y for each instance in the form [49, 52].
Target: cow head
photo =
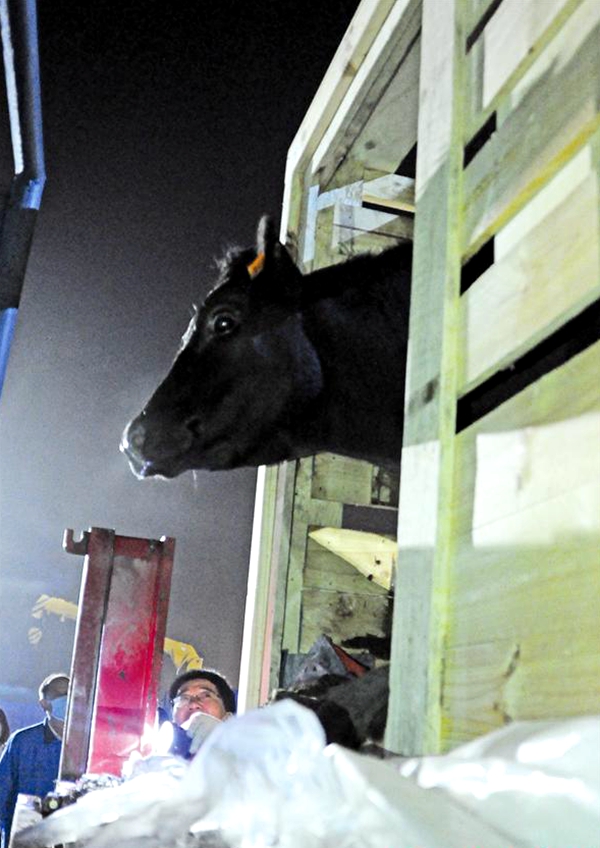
[243, 376]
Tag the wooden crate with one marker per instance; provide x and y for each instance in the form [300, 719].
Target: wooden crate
[499, 518]
[497, 587]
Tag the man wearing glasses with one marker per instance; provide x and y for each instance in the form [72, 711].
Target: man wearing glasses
[201, 691]
[201, 699]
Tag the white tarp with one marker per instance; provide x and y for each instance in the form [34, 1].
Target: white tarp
[268, 779]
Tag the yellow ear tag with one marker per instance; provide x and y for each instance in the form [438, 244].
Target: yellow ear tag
[256, 267]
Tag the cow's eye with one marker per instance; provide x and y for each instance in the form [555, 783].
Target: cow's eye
[223, 323]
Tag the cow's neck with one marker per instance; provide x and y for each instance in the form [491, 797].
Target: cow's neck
[360, 338]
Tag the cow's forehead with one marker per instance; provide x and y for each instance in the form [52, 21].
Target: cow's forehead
[228, 290]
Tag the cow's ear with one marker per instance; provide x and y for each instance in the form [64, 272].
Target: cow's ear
[279, 270]
[266, 237]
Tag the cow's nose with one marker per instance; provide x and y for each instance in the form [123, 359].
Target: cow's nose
[134, 436]
[132, 443]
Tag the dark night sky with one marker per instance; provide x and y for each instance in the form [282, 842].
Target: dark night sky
[166, 130]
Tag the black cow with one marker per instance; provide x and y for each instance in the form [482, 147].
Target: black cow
[277, 365]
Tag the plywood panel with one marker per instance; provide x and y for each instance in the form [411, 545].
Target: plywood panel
[339, 478]
[557, 114]
[544, 273]
[384, 141]
[342, 616]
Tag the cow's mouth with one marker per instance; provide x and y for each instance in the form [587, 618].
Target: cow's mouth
[215, 455]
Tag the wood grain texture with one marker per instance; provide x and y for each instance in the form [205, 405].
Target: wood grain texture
[414, 717]
[373, 555]
[512, 34]
[324, 570]
[339, 478]
[540, 281]
[524, 601]
[556, 115]
[341, 616]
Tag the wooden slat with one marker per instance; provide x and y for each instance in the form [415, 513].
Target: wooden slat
[514, 33]
[308, 512]
[325, 570]
[368, 112]
[538, 27]
[556, 114]
[545, 272]
[526, 592]
[348, 60]
[342, 233]
[523, 638]
[339, 478]
[373, 555]
[532, 449]
[551, 675]
[475, 12]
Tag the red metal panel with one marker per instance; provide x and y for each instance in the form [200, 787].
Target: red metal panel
[126, 697]
[128, 652]
[97, 545]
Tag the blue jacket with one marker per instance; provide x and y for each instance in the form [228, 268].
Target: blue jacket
[28, 764]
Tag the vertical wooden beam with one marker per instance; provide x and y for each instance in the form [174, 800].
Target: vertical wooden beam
[308, 512]
[255, 638]
[425, 513]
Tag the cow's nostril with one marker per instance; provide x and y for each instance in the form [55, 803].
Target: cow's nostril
[194, 425]
[136, 439]
[133, 437]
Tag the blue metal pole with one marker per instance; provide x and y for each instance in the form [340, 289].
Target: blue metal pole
[8, 321]
[18, 21]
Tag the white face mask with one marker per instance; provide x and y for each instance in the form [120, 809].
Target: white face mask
[59, 708]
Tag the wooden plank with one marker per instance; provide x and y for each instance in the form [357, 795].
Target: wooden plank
[513, 34]
[339, 478]
[355, 227]
[279, 552]
[520, 592]
[345, 65]
[480, 68]
[373, 555]
[544, 273]
[549, 676]
[324, 570]
[258, 595]
[530, 451]
[396, 191]
[343, 233]
[376, 137]
[414, 715]
[556, 115]
[342, 616]
[385, 79]
[308, 512]
[476, 11]
[523, 639]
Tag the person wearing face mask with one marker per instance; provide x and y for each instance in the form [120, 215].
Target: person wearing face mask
[31, 758]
